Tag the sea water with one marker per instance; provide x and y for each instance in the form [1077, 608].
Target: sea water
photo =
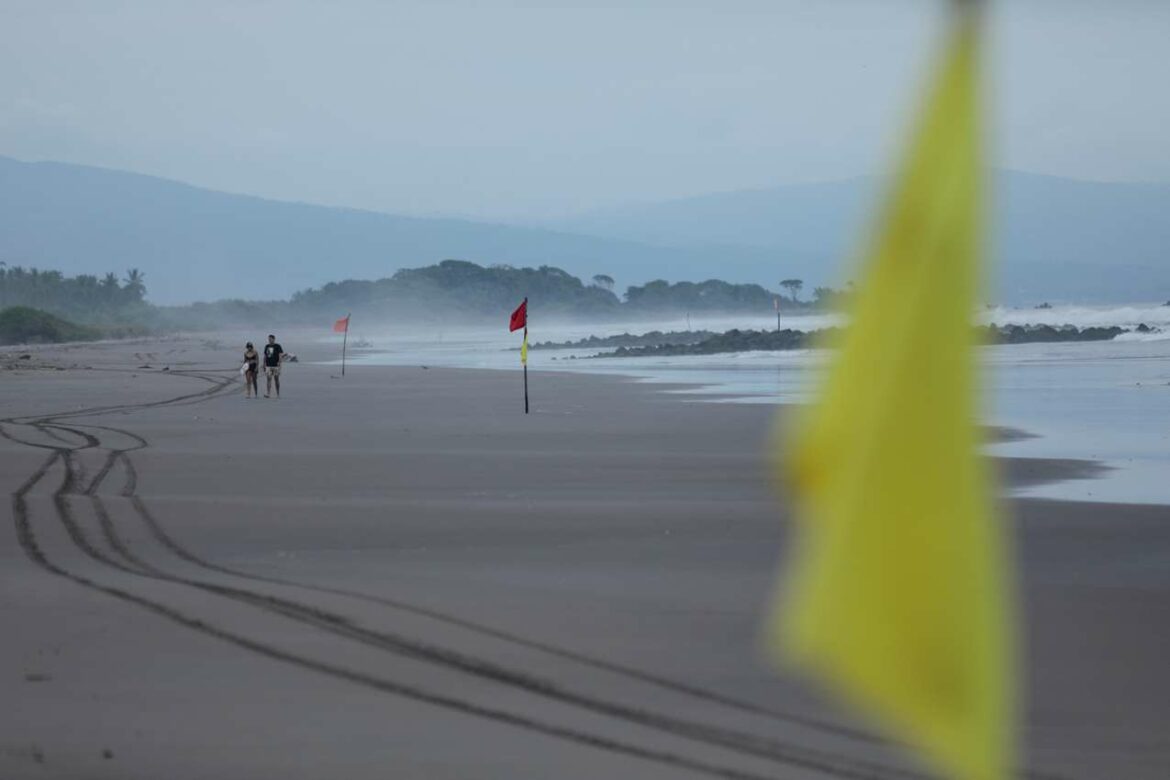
[1106, 402]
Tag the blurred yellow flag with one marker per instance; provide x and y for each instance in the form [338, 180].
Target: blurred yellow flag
[524, 348]
[898, 594]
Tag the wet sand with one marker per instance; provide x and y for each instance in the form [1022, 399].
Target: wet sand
[398, 574]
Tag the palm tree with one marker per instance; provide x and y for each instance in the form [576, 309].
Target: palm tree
[135, 286]
[793, 286]
[604, 281]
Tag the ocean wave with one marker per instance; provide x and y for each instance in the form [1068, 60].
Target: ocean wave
[1128, 316]
[1152, 336]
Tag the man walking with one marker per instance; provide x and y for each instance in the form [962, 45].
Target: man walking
[273, 356]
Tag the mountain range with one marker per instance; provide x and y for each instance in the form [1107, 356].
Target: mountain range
[1056, 239]
[1064, 239]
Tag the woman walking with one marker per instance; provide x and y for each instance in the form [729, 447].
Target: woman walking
[251, 371]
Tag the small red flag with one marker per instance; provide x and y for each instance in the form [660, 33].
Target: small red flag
[342, 325]
[519, 317]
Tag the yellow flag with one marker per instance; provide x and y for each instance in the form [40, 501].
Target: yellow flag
[524, 348]
[898, 592]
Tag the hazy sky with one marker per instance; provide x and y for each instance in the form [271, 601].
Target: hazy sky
[511, 109]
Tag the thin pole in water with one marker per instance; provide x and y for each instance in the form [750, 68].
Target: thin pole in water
[344, 341]
[526, 371]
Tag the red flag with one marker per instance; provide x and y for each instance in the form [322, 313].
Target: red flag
[519, 317]
[342, 325]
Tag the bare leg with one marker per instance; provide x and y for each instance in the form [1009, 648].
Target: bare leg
[267, 384]
[277, 380]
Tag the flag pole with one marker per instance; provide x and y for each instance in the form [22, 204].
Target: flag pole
[519, 319]
[344, 341]
[526, 356]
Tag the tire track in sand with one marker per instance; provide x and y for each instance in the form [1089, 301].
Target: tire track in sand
[130, 564]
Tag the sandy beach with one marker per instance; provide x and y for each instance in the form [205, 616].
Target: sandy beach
[398, 574]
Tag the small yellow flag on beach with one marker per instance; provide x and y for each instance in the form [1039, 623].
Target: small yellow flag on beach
[899, 590]
[524, 348]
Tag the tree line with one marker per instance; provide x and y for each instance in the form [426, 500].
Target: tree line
[462, 288]
[84, 297]
[477, 289]
[447, 291]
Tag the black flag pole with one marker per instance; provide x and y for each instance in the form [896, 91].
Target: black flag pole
[525, 353]
[518, 320]
[344, 341]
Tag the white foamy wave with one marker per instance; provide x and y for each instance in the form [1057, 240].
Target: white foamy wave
[1161, 335]
[1130, 316]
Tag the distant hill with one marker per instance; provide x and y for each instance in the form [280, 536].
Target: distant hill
[1060, 240]
[459, 291]
[1055, 238]
[197, 244]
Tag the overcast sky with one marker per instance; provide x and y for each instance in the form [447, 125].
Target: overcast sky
[533, 109]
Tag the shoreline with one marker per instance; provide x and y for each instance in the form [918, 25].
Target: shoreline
[1078, 401]
[1024, 472]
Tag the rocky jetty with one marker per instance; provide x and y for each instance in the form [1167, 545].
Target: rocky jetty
[1029, 334]
[731, 341]
[658, 344]
[652, 339]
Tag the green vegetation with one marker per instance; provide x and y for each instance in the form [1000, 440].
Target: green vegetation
[233, 312]
[451, 291]
[48, 307]
[711, 295]
[457, 288]
[604, 281]
[24, 325]
[829, 299]
[793, 287]
[84, 298]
